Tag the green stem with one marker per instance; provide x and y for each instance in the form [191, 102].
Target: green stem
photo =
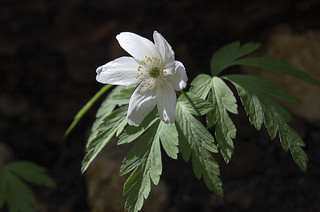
[84, 110]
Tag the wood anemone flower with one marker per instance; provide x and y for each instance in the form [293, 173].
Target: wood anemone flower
[153, 68]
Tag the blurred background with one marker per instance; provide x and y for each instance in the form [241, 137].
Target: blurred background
[49, 51]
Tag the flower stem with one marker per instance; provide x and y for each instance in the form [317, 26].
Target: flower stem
[84, 110]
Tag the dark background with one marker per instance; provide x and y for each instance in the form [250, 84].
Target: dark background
[49, 51]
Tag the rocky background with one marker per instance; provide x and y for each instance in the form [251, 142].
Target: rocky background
[49, 51]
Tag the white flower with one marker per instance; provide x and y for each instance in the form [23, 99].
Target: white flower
[154, 68]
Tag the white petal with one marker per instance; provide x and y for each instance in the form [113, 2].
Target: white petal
[177, 76]
[137, 46]
[164, 48]
[166, 102]
[141, 104]
[121, 71]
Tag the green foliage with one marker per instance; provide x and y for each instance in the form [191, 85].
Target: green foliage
[277, 67]
[254, 93]
[131, 133]
[169, 139]
[255, 96]
[144, 159]
[290, 140]
[223, 100]
[227, 55]
[108, 123]
[14, 190]
[119, 96]
[209, 96]
[197, 142]
[232, 54]
[254, 87]
[201, 85]
[107, 129]
[195, 105]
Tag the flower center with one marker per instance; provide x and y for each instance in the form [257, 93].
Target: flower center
[154, 72]
[150, 72]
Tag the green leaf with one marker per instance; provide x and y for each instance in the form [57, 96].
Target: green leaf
[119, 96]
[140, 148]
[276, 66]
[250, 88]
[249, 100]
[196, 141]
[145, 159]
[195, 105]
[106, 131]
[20, 197]
[254, 92]
[13, 190]
[261, 109]
[276, 119]
[231, 54]
[131, 132]
[290, 140]
[31, 173]
[226, 56]
[84, 110]
[201, 85]
[223, 100]
[169, 139]
[261, 85]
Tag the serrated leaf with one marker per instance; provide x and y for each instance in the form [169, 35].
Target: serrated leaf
[287, 135]
[196, 141]
[119, 96]
[31, 172]
[250, 88]
[85, 108]
[231, 54]
[201, 85]
[195, 105]
[261, 85]
[276, 119]
[121, 127]
[140, 149]
[276, 66]
[226, 56]
[145, 159]
[274, 115]
[131, 132]
[138, 188]
[169, 139]
[107, 129]
[260, 107]
[223, 100]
